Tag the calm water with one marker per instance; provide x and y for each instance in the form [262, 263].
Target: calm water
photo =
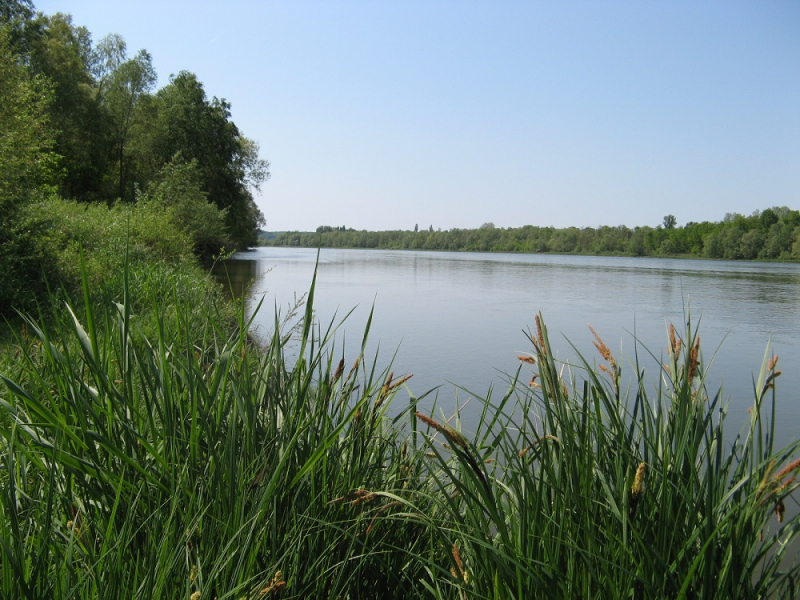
[458, 319]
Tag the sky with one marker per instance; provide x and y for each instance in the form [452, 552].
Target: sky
[386, 114]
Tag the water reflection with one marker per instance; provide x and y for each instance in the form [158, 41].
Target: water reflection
[236, 276]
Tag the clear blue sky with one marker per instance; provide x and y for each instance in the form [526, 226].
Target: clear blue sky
[386, 114]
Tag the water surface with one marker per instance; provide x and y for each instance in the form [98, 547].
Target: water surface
[459, 318]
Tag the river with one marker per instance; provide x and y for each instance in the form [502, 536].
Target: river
[456, 321]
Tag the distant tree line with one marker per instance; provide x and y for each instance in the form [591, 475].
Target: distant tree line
[770, 234]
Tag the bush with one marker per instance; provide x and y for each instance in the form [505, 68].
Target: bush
[178, 192]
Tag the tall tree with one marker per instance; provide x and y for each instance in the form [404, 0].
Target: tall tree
[202, 130]
[15, 16]
[123, 86]
[63, 53]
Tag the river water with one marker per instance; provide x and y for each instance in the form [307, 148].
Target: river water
[456, 321]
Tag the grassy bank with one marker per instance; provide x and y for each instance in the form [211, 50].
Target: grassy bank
[182, 462]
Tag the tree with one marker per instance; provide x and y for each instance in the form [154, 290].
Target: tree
[178, 191]
[187, 122]
[122, 86]
[15, 16]
[768, 218]
[670, 222]
[27, 167]
[61, 52]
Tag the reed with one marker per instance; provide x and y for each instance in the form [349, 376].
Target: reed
[181, 460]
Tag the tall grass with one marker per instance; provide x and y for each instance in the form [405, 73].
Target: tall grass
[576, 488]
[189, 463]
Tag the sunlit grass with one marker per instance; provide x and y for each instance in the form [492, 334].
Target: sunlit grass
[180, 460]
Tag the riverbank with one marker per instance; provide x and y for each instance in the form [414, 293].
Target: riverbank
[181, 461]
[773, 233]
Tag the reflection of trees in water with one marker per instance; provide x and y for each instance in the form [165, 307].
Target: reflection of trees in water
[236, 275]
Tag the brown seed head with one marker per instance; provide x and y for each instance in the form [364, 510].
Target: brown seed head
[339, 371]
[694, 361]
[780, 509]
[453, 436]
[604, 351]
[772, 362]
[790, 468]
[399, 382]
[675, 343]
[540, 337]
[462, 573]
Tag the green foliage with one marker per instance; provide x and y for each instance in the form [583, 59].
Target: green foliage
[736, 237]
[122, 92]
[106, 235]
[115, 135]
[186, 122]
[27, 170]
[178, 192]
[186, 461]
[61, 52]
[585, 489]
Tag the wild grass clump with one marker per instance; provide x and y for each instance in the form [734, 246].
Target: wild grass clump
[574, 487]
[189, 463]
[137, 467]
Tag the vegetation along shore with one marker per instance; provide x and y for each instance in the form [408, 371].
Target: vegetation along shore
[150, 449]
[771, 234]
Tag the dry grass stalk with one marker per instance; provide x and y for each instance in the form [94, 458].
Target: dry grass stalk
[339, 371]
[462, 573]
[675, 342]
[605, 352]
[694, 359]
[275, 586]
[451, 434]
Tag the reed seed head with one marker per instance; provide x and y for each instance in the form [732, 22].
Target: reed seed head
[274, 587]
[462, 573]
[675, 342]
[526, 359]
[453, 436]
[339, 371]
[772, 362]
[539, 342]
[638, 481]
[694, 361]
[787, 470]
[637, 490]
